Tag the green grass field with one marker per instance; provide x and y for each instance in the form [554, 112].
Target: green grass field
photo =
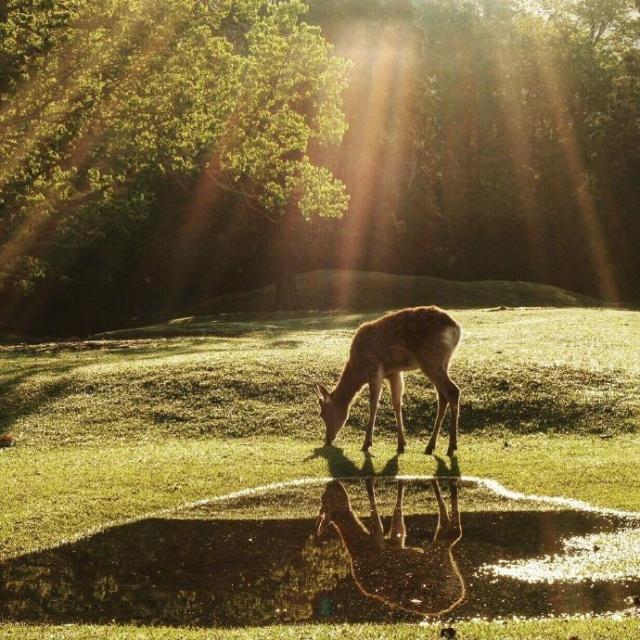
[146, 419]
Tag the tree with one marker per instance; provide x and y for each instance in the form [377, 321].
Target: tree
[526, 126]
[106, 100]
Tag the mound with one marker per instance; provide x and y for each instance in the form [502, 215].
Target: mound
[369, 290]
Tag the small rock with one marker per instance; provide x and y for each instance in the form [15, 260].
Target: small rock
[448, 632]
[7, 440]
[634, 600]
[506, 445]
[606, 436]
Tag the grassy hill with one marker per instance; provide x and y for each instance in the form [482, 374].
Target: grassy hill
[325, 296]
[521, 371]
[368, 290]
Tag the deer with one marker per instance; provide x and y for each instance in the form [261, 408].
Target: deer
[423, 581]
[417, 338]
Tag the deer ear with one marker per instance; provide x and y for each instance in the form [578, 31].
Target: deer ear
[321, 391]
[323, 523]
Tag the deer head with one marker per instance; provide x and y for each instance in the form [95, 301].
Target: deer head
[332, 412]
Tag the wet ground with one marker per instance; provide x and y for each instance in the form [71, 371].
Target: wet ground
[343, 551]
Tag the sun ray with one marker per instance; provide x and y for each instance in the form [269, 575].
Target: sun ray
[519, 145]
[77, 153]
[195, 219]
[557, 94]
[374, 165]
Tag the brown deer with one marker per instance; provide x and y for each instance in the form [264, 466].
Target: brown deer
[425, 581]
[420, 338]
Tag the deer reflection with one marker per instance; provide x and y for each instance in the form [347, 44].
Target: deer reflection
[425, 581]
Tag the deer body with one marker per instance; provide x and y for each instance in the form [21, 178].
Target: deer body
[425, 581]
[418, 338]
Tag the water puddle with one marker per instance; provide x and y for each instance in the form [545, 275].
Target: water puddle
[340, 551]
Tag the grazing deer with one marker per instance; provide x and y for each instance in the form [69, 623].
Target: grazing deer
[419, 338]
[425, 581]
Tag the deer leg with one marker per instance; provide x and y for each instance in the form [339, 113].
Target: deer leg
[398, 530]
[377, 532]
[375, 389]
[396, 382]
[455, 511]
[452, 392]
[443, 516]
[442, 408]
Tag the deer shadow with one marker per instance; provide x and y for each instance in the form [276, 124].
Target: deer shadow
[444, 471]
[341, 466]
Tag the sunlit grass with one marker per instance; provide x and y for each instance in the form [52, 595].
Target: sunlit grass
[584, 629]
[52, 495]
[186, 413]
[521, 371]
[116, 429]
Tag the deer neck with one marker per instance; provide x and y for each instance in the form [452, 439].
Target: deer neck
[354, 535]
[347, 387]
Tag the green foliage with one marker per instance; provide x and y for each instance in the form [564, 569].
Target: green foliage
[105, 100]
[502, 136]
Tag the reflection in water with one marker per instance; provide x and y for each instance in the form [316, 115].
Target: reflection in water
[222, 566]
[425, 581]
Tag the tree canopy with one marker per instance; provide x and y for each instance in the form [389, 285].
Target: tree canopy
[486, 139]
[101, 101]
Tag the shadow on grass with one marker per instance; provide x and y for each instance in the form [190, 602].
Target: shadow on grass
[15, 405]
[444, 471]
[274, 325]
[341, 466]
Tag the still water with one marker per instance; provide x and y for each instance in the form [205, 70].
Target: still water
[380, 550]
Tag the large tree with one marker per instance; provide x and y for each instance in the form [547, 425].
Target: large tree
[103, 101]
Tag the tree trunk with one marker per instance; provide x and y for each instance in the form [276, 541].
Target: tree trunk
[286, 263]
[286, 291]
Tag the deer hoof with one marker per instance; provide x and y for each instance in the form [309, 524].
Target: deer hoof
[401, 447]
[429, 450]
[366, 446]
[451, 451]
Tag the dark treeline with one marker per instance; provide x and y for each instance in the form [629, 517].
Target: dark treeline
[511, 144]
[487, 140]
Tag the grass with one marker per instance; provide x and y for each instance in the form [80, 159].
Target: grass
[521, 370]
[52, 495]
[131, 423]
[514, 630]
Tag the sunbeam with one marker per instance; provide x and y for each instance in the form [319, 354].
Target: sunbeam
[598, 251]
[376, 163]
